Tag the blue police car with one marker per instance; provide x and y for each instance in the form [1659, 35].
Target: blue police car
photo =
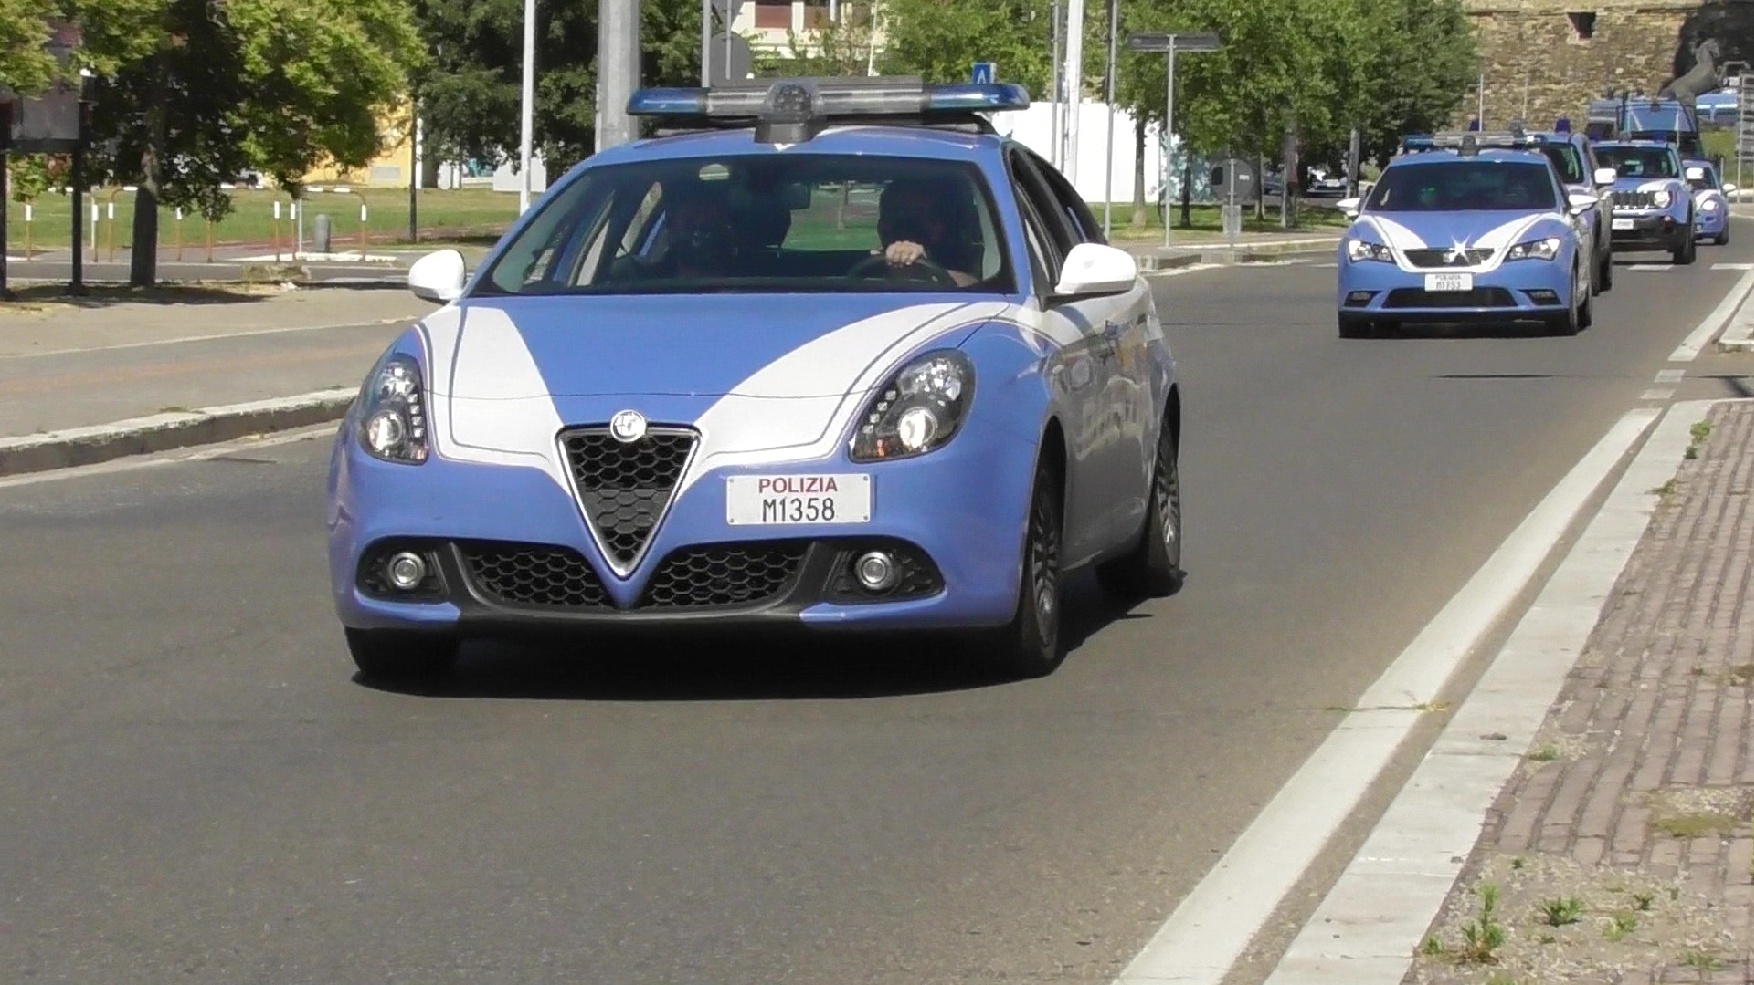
[1711, 201]
[1477, 230]
[823, 354]
[1653, 204]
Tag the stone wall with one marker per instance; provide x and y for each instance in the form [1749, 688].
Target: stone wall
[1548, 58]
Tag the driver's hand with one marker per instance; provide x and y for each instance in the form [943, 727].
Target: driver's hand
[903, 252]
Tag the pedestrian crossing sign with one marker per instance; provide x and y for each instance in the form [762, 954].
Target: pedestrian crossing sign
[985, 73]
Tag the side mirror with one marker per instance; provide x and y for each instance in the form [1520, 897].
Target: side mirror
[1349, 206]
[1581, 203]
[1695, 174]
[1092, 268]
[1606, 176]
[439, 276]
[1730, 189]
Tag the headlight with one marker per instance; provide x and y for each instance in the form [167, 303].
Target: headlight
[392, 419]
[1363, 249]
[1709, 205]
[1535, 249]
[1661, 198]
[921, 408]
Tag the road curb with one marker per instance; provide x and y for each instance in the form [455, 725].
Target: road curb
[1220, 253]
[1157, 264]
[167, 432]
[1738, 332]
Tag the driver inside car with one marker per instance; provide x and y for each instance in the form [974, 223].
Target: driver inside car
[917, 222]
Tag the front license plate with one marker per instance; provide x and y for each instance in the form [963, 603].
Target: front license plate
[1620, 224]
[758, 500]
[1449, 282]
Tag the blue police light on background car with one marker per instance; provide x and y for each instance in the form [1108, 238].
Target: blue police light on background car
[690, 388]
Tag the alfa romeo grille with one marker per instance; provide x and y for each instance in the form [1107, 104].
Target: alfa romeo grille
[1630, 199]
[625, 487]
[725, 574]
[535, 575]
[1446, 258]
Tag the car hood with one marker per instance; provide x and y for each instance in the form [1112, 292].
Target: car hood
[1644, 184]
[1486, 230]
[683, 345]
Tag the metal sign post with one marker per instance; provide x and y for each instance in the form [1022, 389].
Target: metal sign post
[1170, 44]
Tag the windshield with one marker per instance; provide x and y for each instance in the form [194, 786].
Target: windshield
[1638, 162]
[781, 223]
[1464, 186]
[1567, 161]
[1707, 181]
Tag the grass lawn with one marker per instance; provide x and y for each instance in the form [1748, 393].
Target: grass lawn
[443, 214]
[1207, 222]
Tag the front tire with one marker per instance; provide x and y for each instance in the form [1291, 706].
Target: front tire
[1605, 273]
[1688, 251]
[402, 655]
[1153, 568]
[1572, 321]
[1030, 646]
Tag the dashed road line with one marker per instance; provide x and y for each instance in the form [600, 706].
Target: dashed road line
[1732, 266]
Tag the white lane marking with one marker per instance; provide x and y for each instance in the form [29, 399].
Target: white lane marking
[1366, 930]
[1650, 267]
[184, 339]
[1732, 266]
[1330, 265]
[1657, 393]
[1701, 336]
[1178, 271]
[1671, 375]
[1212, 927]
[201, 454]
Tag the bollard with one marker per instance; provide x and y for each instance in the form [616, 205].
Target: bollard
[27, 222]
[320, 235]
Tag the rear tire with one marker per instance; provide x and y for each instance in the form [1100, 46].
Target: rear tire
[1586, 316]
[402, 655]
[1723, 238]
[1605, 275]
[1030, 646]
[1153, 568]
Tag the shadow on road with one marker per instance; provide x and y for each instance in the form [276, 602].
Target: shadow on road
[105, 295]
[742, 667]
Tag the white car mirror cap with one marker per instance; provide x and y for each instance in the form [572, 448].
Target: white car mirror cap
[1606, 176]
[439, 276]
[1730, 189]
[1348, 206]
[1581, 202]
[1092, 268]
[1695, 174]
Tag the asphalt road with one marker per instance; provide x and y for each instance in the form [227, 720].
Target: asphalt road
[195, 789]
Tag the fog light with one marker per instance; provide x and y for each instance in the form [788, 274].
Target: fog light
[875, 571]
[406, 571]
[1358, 297]
[1544, 297]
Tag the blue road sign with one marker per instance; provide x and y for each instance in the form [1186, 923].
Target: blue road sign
[985, 73]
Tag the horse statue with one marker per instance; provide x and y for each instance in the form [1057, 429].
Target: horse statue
[1705, 76]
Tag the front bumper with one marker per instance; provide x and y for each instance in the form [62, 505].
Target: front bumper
[1657, 230]
[1521, 289]
[511, 553]
[1711, 222]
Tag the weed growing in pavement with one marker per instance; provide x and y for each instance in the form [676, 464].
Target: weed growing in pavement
[1561, 912]
[1432, 948]
[1700, 431]
[1621, 925]
[1518, 862]
[1668, 488]
[1644, 900]
[1483, 935]
[1740, 675]
[1545, 754]
[1693, 825]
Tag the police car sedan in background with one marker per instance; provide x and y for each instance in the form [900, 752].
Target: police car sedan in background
[1467, 232]
[1711, 201]
[831, 355]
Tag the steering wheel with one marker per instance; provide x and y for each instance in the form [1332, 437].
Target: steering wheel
[908, 271]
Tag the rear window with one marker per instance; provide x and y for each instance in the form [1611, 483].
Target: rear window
[1465, 186]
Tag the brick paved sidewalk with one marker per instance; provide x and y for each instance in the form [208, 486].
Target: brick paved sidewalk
[1623, 849]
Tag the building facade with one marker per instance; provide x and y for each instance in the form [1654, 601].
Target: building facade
[1543, 59]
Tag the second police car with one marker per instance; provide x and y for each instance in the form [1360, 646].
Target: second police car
[1475, 230]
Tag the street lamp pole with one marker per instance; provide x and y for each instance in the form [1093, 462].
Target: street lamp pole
[1170, 44]
[527, 139]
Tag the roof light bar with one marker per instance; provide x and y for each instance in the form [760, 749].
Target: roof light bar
[1513, 138]
[801, 106]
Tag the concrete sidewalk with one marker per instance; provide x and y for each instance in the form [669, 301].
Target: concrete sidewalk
[1189, 248]
[81, 383]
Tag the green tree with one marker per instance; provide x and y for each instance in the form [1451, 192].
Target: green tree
[194, 93]
[940, 40]
[24, 25]
[1411, 64]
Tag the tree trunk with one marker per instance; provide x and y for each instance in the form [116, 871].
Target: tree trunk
[1139, 213]
[143, 251]
[430, 160]
[1188, 191]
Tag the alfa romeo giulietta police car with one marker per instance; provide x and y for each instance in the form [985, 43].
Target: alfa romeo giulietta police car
[825, 354]
[1467, 232]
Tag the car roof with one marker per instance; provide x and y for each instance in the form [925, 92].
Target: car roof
[1515, 155]
[1633, 142]
[864, 139]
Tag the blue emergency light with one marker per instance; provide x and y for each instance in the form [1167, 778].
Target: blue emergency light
[794, 110]
[1562, 125]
